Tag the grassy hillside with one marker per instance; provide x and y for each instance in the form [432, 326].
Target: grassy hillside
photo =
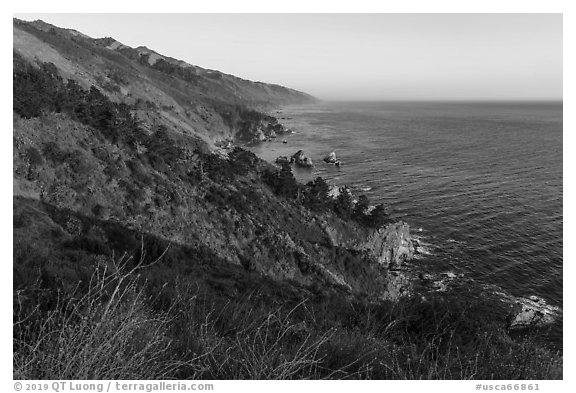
[183, 312]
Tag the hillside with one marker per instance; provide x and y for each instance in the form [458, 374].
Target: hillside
[207, 263]
[162, 91]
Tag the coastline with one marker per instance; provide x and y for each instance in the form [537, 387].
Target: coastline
[414, 277]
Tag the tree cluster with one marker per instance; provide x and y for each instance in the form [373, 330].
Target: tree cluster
[315, 196]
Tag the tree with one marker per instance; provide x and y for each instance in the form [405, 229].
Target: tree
[316, 195]
[361, 208]
[378, 217]
[282, 182]
[288, 186]
[343, 206]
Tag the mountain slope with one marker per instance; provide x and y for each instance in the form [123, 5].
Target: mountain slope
[186, 98]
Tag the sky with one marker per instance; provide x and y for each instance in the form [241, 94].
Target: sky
[356, 56]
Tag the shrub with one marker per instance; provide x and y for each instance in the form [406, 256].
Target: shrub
[316, 195]
[53, 153]
[378, 217]
[217, 168]
[79, 163]
[34, 156]
[42, 89]
[282, 182]
[343, 205]
[118, 326]
[225, 199]
[161, 145]
[35, 90]
[361, 207]
[139, 172]
[243, 161]
[106, 333]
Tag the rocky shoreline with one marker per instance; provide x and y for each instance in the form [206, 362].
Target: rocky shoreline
[396, 251]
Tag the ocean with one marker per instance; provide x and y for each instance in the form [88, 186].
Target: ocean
[480, 183]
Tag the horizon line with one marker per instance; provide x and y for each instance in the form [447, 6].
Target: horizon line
[451, 100]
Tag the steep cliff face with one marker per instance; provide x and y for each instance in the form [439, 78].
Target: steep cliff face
[391, 245]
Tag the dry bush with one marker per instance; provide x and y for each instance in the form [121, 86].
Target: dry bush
[108, 332]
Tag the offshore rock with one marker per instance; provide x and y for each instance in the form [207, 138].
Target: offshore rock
[301, 160]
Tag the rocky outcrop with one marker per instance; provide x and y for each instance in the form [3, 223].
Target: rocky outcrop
[282, 160]
[259, 128]
[335, 191]
[532, 311]
[301, 160]
[392, 245]
[330, 158]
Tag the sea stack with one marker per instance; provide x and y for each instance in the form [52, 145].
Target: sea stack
[331, 158]
[301, 160]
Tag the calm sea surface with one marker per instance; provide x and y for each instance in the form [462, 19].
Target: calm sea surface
[481, 183]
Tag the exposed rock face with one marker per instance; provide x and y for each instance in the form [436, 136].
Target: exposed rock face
[263, 129]
[533, 311]
[391, 245]
[301, 160]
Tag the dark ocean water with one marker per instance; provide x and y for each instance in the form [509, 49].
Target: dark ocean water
[481, 183]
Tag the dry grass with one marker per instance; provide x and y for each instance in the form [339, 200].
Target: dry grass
[264, 347]
[108, 332]
[114, 329]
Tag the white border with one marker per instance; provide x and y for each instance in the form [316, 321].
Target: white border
[303, 6]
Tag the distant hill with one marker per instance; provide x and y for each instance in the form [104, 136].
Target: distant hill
[184, 97]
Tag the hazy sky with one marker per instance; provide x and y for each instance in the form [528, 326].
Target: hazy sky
[356, 56]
